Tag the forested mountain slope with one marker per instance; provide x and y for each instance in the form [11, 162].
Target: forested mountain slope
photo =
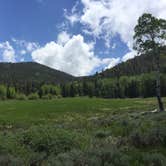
[136, 66]
[15, 73]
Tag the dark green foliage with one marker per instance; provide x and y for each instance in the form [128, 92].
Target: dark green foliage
[9, 160]
[155, 159]
[3, 91]
[49, 140]
[149, 34]
[11, 93]
[154, 137]
[124, 87]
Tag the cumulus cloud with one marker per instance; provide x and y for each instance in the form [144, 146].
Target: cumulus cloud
[63, 38]
[129, 55]
[106, 18]
[7, 52]
[75, 56]
[112, 62]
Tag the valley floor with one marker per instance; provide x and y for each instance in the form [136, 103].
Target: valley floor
[82, 132]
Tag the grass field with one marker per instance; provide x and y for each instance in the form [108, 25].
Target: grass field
[75, 131]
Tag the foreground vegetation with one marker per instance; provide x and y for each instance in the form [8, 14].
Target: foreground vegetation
[82, 131]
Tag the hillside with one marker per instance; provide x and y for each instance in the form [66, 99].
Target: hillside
[15, 73]
[136, 66]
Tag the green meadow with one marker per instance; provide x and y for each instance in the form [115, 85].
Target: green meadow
[82, 131]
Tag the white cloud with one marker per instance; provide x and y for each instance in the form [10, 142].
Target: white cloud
[7, 52]
[28, 47]
[22, 52]
[31, 46]
[63, 38]
[114, 46]
[105, 18]
[112, 62]
[129, 55]
[73, 17]
[22, 60]
[75, 56]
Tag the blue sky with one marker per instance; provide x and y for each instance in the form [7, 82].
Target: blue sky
[31, 20]
[79, 37]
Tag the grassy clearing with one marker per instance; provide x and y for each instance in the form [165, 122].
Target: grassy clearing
[82, 130]
[41, 111]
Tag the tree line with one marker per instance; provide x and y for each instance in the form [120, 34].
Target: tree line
[31, 92]
[143, 85]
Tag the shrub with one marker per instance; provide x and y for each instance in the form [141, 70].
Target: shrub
[3, 92]
[33, 96]
[155, 159]
[47, 97]
[49, 140]
[9, 160]
[59, 96]
[11, 93]
[103, 156]
[21, 96]
[153, 137]
[108, 155]
[102, 134]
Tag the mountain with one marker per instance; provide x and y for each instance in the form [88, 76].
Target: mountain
[136, 66]
[17, 73]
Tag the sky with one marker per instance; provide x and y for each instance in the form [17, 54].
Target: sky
[79, 37]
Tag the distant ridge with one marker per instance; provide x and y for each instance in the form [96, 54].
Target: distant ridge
[16, 73]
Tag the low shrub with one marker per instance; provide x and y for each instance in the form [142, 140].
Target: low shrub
[102, 134]
[109, 156]
[156, 159]
[153, 137]
[47, 97]
[50, 140]
[21, 96]
[33, 96]
[9, 160]
[11, 93]
[3, 92]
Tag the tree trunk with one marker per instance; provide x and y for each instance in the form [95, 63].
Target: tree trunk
[158, 82]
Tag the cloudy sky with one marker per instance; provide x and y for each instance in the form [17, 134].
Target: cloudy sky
[79, 37]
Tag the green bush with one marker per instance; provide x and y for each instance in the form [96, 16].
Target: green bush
[155, 159]
[9, 160]
[109, 156]
[3, 92]
[50, 140]
[11, 93]
[33, 96]
[47, 97]
[21, 96]
[102, 134]
[153, 137]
